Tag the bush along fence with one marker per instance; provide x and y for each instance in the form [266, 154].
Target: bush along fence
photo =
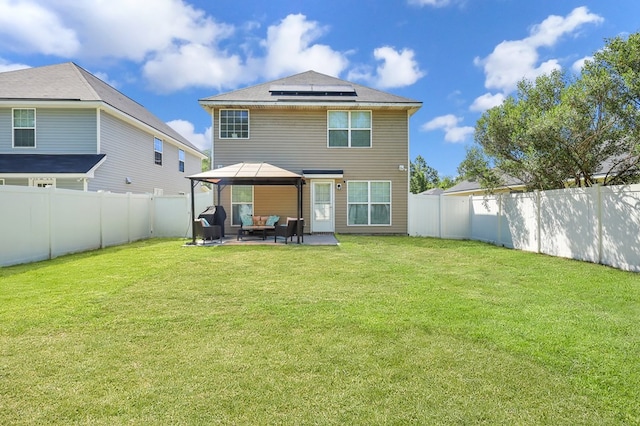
[597, 224]
[43, 223]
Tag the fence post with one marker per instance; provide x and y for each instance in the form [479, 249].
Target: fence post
[499, 233]
[599, 218]
[470, 219]
[538, 221]
[101, 219]
[441, 216]
[50, 221]
[129, 217]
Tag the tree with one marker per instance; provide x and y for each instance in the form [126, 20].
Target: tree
[559, 129]
[206, 163]
[422, 177]
[476, 167]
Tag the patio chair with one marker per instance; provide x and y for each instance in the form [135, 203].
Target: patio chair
[289, 230]
[206, 231]
[285, 231]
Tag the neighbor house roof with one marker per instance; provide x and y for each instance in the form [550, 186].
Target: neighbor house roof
[310, 88]
[50, 164]
[432, 191]
[69, 82]
[473, 187]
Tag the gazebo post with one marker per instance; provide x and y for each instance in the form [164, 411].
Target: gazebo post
[299, 225]
[193, 211]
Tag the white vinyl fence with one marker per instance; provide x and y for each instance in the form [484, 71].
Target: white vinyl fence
[598, 224]
[43, 223]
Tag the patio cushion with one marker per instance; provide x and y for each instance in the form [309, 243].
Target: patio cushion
[272, 220]
[246, 220]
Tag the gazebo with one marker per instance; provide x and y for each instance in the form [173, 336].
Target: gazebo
[247, 174]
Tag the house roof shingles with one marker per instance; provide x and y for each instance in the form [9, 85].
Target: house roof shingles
[49, 163]
[70, 82]
[264, 94]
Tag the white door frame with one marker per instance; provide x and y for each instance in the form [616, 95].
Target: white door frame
[331, 225]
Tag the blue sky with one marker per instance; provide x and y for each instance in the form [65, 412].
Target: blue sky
[459, 57]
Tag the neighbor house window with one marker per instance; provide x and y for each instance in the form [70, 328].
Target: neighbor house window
[234, 124]
[181, 160]
[24, 128]
[349, 129]
[369, 203]
[241, 203]
[157, 149]
[42, 182]
[1, 182]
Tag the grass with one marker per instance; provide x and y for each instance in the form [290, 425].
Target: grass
[380, 330]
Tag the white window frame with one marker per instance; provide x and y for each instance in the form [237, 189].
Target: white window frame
[1, 182]
[369, 203]
[157, 160]
[14, 128]
[225, 126]
[181, 161]
[233, 203]
[350, 128]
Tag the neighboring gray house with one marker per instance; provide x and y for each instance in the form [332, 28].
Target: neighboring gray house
[349, 142]
[61, 126]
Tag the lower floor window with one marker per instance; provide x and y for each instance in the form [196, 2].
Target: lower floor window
[241, 203]
[42, 182]
[369, 203]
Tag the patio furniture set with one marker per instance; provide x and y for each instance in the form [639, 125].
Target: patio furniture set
[262, 225]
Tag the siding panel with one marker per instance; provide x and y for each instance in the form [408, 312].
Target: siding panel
[130, 154]
[297, 140]
[58, 131]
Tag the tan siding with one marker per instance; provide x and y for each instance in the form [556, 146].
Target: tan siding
[297, 140]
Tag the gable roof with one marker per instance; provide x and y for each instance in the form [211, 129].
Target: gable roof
[70, 82]
[308, 89]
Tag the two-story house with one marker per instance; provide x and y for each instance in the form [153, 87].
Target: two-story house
[349, 142]
[61, 126]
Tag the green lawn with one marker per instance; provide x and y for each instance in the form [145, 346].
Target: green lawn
[379, 330]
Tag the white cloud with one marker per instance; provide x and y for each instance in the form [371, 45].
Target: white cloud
[449, 124]
[6, 66]
[579, 64]
[177, 45]
[290, 49]
[398, 69]
[132, 30]
[434, 3]
[487, 101]
[201, 140]
[29, 27]
[193, 65]
[513, 60]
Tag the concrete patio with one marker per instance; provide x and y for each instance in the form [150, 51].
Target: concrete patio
[309, 240]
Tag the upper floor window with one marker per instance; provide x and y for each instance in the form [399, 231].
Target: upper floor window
[349, 129]
[157, 149]
[24, 128]
[234, 124]
[180, 160]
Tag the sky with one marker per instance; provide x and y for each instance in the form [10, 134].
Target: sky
[458, 57]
